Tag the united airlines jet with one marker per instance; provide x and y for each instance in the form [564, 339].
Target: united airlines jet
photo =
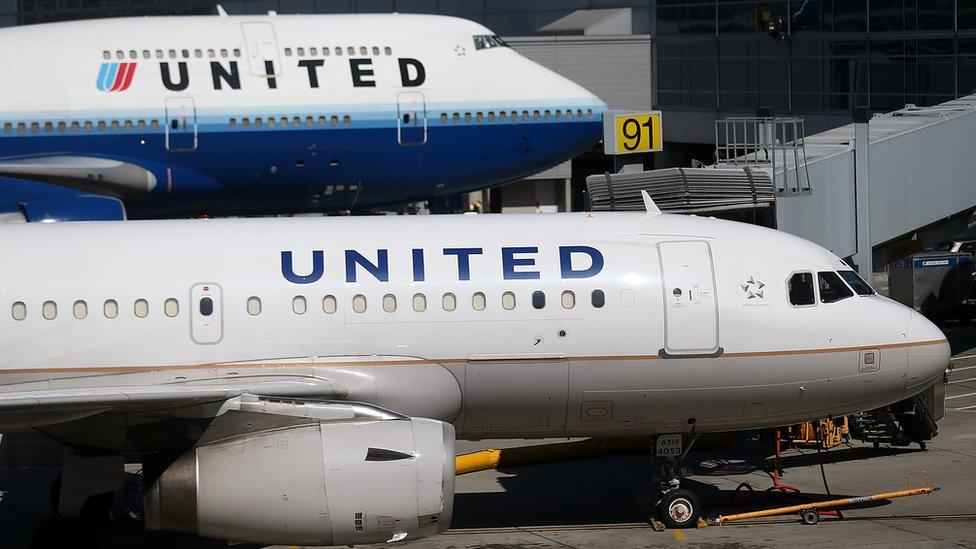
[302, 381]
[180, 116]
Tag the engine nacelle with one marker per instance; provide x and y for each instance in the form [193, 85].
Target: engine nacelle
[315, 484]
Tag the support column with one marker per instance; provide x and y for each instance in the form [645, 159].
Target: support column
[863, 258]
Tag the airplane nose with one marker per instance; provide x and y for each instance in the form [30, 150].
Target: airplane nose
[928, 354]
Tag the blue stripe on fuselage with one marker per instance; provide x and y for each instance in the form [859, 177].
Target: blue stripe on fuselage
[322, 167]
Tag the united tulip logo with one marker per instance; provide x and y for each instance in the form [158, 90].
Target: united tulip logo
[116, 77]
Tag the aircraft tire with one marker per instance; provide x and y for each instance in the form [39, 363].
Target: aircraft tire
[679, 509]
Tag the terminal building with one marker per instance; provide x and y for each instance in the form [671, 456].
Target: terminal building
[704, 61]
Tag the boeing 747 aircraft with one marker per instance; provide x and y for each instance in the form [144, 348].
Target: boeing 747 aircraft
[302, 381]
[178, 116]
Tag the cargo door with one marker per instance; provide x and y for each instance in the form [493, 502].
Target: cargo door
[412, 118]
[206, 314]
[690, 303]
[181, 124]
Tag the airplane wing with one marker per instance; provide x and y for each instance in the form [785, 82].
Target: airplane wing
[70, 188]
[38, 408]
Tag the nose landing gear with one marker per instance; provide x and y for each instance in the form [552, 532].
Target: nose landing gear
[677, 507]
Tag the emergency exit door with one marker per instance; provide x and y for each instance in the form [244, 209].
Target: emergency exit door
[206, 314]
[411, 118]
[181, 124]
[690, 304]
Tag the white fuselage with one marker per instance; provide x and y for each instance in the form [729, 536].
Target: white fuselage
[458, 331]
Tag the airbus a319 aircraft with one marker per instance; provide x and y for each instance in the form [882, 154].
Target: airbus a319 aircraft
[303, 381]
[177, 116]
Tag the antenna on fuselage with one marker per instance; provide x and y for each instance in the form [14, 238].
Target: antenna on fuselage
[221, 11]
[649, 204]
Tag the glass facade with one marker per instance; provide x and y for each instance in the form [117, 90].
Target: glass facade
[814, 55]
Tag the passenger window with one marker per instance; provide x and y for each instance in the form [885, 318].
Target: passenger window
[801, 289]
[111, 308]
[329, 304]
[508, 301]
[49, 310]
[598, 299]
[568, 299]
[359, 303]
[538, 299]
[419, 303]
[478, 301]
[80, 309]
[832, 288]
[171, 307]
[298, 305]
[141, 308]
[206, 306]
[389, 303]
[449, 302]
[19, 311]
[856, 282]
[254, 305]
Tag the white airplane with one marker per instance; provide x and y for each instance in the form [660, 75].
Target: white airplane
[177, 116]
[302, 381]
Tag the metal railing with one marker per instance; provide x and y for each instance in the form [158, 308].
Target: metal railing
[770, 143]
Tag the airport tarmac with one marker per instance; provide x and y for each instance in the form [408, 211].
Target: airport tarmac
[605, 502]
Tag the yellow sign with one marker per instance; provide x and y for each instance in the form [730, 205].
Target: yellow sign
[634, 133]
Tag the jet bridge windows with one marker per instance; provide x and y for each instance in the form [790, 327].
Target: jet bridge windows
[832, 288]
[801, 289]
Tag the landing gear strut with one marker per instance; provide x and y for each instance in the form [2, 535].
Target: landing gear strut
[677, 508]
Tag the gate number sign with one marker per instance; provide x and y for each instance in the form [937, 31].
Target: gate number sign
[632, 132]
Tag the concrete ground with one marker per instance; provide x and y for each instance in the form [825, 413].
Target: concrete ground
[605, 502]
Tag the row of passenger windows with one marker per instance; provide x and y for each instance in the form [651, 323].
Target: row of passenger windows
[110, 309]
[449, 302]
[224, 53]
[285, 121]
[211, 53]
[514, 115]
[272, 122]
[831, 286]
[327, 51]
[171, 306]
[74, 127]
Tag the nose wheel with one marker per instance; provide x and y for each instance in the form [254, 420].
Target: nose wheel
[679, 508]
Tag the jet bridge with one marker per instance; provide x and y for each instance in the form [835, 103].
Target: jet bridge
[915, 173]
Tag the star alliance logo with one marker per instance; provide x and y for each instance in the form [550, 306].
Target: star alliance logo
[753, 288]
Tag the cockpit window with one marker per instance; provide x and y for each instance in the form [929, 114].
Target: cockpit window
[832, 288]
[801, 289]
[486, 41]
[856, 282]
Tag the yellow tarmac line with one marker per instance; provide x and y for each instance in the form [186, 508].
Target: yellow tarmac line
[679, 534]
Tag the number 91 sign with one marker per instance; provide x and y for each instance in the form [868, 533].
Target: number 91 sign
[632, 132]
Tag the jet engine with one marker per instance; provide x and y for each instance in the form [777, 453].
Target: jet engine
[320, 483]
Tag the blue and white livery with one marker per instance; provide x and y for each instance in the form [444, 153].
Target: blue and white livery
[177, 116]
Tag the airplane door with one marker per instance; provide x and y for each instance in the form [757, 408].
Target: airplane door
[262, 49]
[206, 314]
[181, 124]
[411, 118]
[690, 303]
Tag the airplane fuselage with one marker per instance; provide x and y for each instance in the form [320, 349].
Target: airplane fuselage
[289, 113]
[506, 326]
